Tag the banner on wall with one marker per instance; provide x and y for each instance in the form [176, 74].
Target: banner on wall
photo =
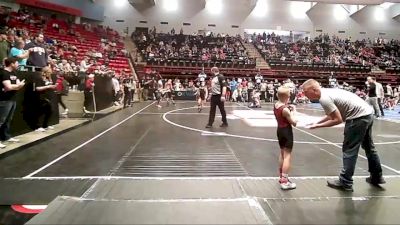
[51, 6]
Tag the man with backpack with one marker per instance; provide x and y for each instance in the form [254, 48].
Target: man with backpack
[62, 90]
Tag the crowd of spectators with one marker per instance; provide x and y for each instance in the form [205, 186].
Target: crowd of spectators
[159, 47]
[38, 40]
[75, 53]
[325, 49]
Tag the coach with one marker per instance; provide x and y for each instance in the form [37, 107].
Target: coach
[340, 105]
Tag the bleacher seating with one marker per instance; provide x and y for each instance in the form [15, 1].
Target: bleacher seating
[193, 51]
[85, 41]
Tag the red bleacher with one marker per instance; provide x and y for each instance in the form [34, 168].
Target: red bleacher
[91, 41]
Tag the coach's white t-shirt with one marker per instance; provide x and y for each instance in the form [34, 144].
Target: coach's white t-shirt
[349, 104]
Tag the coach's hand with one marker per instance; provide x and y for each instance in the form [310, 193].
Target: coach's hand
[312, 126]
[222, 99]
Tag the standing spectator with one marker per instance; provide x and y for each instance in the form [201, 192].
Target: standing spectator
[88, 91]
[133, 90]
[250, 87]
[217, 92]
[62, 90]
[127, 83]
[4, 47]
[116, 89]
[389, 91]
[340, 105]
[263, 90]
[372, 97]
[19, 52]
[42, 86]
[8, 86]
[84, 66]
[380, 94]
[38, 57]
[233, 85]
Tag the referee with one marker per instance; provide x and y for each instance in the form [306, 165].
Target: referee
[217, 93]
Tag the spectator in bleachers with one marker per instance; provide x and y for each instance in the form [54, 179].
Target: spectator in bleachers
[9, 86]
[127, 83]
[84, 66]
[38, 57]
[4, 47]
[62, 89]
[21, 54]
[116, 90]
[42, 85]
[88, 91]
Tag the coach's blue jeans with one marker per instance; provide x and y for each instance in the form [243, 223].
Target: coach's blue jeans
[359, 132]
[7, 109]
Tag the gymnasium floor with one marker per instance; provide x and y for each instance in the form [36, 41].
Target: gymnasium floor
[150, 165]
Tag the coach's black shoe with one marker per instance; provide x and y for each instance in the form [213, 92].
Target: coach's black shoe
[224, 125]
[208, 126]
[375, 181]
[337, 184]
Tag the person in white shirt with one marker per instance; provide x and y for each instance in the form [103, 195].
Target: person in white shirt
[380, 93]
[344, 106]
[82, 72]
[117, 89]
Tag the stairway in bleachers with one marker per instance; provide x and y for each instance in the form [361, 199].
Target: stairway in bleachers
[253, 53]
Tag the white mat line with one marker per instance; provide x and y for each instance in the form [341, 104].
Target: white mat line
[210, 133]
[245, 199]
[228, 135]
[85, 143]
[184, 178]
[338, 146]
[354, 198]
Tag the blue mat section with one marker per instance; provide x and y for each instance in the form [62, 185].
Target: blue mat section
[392, 114]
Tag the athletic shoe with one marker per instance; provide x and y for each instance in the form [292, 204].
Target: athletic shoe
[86, 111]
[65, 112]
[40, 130]
[224, 125]
[287, 185]
[2, 146]
[337, 184]
[50, 128]
[375, 181]
[159, 106]
[208, 126]
[14, 140]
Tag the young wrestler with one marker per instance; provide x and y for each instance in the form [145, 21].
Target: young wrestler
[202, 93]
[168, 92]
[284, 115]
[159, 92]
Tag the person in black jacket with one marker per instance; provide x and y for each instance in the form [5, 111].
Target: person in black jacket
[38, 55]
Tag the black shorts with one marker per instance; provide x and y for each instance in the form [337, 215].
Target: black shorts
[201, 96]
[285, 137]
[168, 94]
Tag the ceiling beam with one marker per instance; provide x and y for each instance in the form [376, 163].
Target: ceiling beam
[395, 11]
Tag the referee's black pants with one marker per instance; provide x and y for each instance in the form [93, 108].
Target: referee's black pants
[216, 101]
